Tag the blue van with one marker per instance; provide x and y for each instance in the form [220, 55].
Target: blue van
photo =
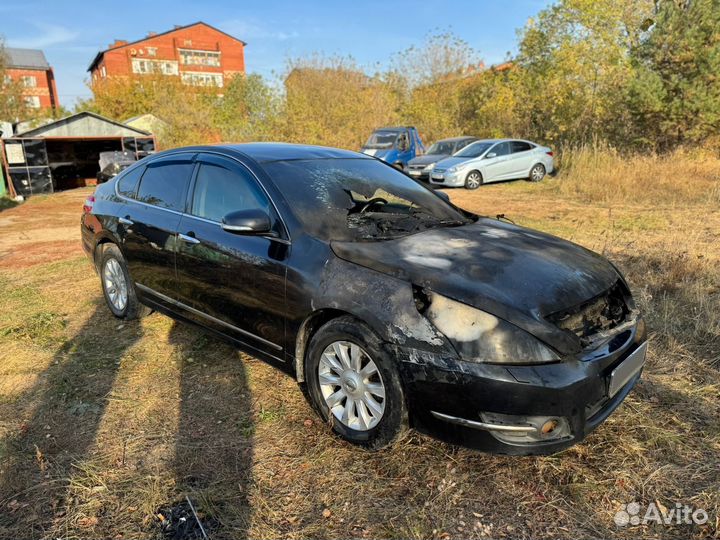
[394, 145]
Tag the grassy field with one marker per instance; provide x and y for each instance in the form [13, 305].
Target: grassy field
[106, 428]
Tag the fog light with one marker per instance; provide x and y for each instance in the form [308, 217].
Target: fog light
[549, 426]
[545, 428]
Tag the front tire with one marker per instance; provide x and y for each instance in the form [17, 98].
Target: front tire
[353, 384]
[473, 180]
[537, 173]
[117, 287]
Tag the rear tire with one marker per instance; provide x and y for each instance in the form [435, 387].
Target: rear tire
[473, 180]
[353, 384]
[537, 173]
[117, 287]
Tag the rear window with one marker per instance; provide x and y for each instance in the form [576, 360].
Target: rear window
[128, 183]
[164, 184]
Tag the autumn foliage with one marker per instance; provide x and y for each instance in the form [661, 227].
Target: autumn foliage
[632, 74]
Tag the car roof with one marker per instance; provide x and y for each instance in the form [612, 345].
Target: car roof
[263, 152]
[461, 138]
[394, 128]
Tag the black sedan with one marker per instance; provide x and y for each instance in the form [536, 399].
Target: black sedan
[392, 306]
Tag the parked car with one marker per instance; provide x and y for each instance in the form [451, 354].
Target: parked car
[492, 160]
[420, 167]
[394, 145]
[392, 306]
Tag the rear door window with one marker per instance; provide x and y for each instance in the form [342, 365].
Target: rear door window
[128, 182]
[520, 146]
[165, 182]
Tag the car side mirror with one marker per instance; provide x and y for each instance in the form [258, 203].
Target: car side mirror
[444, 196]
[253, 221]
[491, 155]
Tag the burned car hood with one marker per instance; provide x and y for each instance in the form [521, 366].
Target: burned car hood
[518, 274]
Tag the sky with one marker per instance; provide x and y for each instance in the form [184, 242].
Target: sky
[71, 32]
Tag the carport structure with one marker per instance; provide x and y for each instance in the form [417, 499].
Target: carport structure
[64, 154]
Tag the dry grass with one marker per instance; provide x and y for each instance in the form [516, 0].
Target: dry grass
[104, 425]
[600, 174]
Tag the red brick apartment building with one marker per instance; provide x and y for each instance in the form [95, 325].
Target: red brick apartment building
[198, 53]
[31, 69]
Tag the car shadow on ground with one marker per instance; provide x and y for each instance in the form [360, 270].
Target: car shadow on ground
[213, 446]
[66, 406]
[68, 428]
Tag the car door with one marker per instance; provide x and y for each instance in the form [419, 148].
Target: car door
[229, 281]
[497, 167]
[521, 158]
[148, 224]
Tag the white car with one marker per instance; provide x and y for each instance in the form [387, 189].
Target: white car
[492, 160]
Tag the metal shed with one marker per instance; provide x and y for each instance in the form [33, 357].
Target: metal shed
[64, 154]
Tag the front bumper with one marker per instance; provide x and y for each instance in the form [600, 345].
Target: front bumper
[448, 179]
[576, 390]
[418, 174]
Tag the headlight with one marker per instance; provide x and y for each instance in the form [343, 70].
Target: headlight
[454, 169]
[481, 337]
[429, 168]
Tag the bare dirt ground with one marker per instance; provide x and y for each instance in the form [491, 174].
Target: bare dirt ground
[106, 428]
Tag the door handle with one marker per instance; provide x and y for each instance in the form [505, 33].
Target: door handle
[188, 239]
[125, 221]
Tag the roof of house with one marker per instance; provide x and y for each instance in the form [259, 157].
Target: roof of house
[83, 124]
[26, 58]
[99, 55]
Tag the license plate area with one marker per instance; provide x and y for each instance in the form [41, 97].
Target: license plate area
[629, 367]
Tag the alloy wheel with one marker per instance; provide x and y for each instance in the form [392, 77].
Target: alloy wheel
[115, 284]
[537, 173]
[473, 180]
[351, 385]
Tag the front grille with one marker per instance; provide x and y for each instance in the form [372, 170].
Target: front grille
[436, 170]
[594, 317]
[416, 167]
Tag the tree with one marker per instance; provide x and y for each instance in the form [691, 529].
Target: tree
[574, 68]
[675, 95]
[12, 105]
[248, 111]
[434, 74]
[330, 101]
[442, 56]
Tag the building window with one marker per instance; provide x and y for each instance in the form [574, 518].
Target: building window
[191, 57]
[196, 78]
[32, 101]
[103, 72]
[28, 81]
[166, 67]
[151, 51]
